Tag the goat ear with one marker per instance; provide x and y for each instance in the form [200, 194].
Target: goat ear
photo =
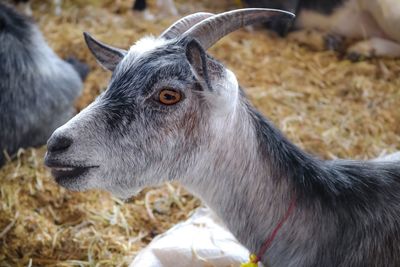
[107, 56]
[197, 58]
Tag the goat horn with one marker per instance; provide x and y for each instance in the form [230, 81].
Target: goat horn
[184, 24]
[210, 30]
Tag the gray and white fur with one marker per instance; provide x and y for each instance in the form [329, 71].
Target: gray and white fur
[223, 150]
[37, 88]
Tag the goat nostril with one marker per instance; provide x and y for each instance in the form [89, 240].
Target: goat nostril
[58, 143]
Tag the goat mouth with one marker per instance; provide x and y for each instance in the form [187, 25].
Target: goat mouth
[69, 172]
[65, 174]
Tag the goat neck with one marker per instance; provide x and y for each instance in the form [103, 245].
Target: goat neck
[243, 186]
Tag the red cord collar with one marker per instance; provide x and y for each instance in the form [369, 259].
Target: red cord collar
[268, 242]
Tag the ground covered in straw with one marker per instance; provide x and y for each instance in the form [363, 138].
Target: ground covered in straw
[325, 104]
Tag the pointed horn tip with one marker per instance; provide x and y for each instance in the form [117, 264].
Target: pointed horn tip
[288, 14]
[281, 12]
[268, 11]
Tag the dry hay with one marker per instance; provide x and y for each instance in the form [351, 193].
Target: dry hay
[326, 105]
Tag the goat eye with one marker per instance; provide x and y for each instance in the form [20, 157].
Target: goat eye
[169, 97]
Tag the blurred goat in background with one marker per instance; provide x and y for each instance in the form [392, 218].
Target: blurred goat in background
[166, 7]
[374, 23]
[37, 88]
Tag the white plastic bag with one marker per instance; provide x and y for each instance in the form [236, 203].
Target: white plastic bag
[391, 157]
[201, 241]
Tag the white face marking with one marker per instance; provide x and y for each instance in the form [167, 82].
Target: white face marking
[146, 44]
[142, 46]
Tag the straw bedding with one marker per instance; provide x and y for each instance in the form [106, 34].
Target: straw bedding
[326, 105]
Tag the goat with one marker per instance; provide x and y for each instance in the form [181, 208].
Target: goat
[37, 88]
[373, 22]
[172, 112]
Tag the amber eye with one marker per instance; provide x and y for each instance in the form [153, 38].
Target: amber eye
[169, 97]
